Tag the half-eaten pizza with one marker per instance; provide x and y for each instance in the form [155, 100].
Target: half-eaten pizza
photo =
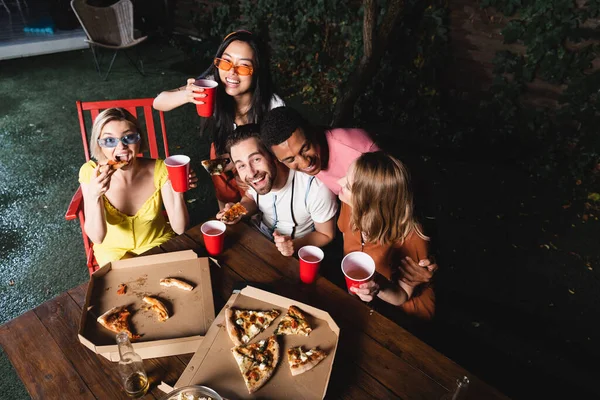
[216, 166]
[302, 361]
[257, 361]
[236, 211]
[293, 323]
[243, 325]
[117, 320]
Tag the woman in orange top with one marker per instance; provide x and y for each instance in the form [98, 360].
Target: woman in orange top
[377, 218]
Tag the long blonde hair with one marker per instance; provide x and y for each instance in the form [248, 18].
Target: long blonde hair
[382, 203]
[109, 115]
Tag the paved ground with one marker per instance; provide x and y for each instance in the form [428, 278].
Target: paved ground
[519, 280]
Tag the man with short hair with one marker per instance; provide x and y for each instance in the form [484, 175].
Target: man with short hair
[326, 154]
[294, 209]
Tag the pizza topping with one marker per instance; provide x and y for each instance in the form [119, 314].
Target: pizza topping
[239, 321]
[245, 338]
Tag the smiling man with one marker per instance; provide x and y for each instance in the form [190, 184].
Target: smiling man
[292, 208]
[326, 154]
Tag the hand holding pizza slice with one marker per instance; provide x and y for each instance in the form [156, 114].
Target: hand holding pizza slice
[232, 213]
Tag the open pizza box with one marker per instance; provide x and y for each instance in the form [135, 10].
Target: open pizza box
[191, 312]
[213, 364]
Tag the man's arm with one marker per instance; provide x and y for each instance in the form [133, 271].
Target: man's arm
[323, 234]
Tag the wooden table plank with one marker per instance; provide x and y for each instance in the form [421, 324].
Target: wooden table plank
[61, 317]
[39, 361]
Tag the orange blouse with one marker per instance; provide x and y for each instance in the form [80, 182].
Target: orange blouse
[422, 303]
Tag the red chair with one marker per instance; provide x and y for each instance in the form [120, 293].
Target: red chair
[137, 107]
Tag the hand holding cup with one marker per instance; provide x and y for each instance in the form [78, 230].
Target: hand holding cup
[366, 291]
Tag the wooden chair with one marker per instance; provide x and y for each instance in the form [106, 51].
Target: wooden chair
[110, 28]
[137, 107]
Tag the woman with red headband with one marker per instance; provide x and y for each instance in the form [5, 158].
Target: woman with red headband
[244, 95]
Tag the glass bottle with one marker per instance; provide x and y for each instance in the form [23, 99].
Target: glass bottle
[131, 368]
[460, 393]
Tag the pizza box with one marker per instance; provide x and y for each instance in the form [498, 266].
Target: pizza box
[192, 312]
[213, 364]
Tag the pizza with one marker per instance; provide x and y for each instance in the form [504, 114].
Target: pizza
[301, 361]
[158, 307]
[117, 320]
[243, 325]
[172, 282]
[216, 166]
[293, 323]
[236, 211]
[257, 361]
[116, 164]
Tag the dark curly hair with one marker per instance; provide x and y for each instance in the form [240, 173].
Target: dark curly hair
[279, 124]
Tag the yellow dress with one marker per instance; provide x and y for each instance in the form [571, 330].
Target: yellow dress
[137, 233]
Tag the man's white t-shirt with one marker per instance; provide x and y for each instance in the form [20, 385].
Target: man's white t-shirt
[310, 201]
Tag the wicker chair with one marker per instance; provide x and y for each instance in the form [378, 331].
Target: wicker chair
[110, 28]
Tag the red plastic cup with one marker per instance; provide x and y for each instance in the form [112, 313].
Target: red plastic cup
[214, 236]
[178, 168]
[358, 268]
[209, 86]
[310, 261]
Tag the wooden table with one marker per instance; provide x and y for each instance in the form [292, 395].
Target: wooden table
[376, 358]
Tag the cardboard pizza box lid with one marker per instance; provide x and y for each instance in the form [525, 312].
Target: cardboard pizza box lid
[191, 312]
[213, 364]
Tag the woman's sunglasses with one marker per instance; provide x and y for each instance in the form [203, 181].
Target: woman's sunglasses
[111, 142]
[225, 65]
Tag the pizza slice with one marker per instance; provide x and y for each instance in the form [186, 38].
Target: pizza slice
[117, 320]
[216, 166]
[158, 307]
[236, 211]
[172, 282]
[243, 325]
[301, 361]
[116, 164]
[257, 361]
[293, 323]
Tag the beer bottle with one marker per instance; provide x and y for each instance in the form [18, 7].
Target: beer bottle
[131, 368]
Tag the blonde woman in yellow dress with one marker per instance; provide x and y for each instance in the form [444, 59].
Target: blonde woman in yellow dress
[124, 207]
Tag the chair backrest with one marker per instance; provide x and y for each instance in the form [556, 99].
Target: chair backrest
[112, 25]
[139, 108]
